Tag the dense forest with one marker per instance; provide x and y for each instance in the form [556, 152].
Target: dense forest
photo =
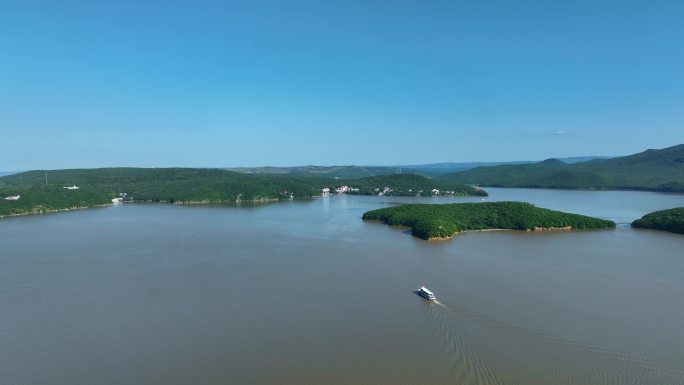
[656, 170]
[42, 191]
[39, 199]
[444, 220]
[671, 220]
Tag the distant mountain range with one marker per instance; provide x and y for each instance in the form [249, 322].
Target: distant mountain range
[445, 168]
[657, 170]
[430, 169]
[319, 171]
[41, 191]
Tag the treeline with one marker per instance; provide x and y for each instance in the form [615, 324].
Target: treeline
[656, 170]
[170, 184]
[191, 185]
[444, 220]
[671, 220]
[40, 199]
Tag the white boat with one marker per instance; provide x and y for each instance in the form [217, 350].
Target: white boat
[427, 294]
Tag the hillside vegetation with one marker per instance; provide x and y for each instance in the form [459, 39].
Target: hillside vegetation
[190, 185]
[656, 170]
[39, 199]
[428, 221]
[671, 220]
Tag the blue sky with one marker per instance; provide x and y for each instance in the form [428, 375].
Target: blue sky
[220, 83]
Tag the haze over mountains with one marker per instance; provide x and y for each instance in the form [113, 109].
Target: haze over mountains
[352, 171]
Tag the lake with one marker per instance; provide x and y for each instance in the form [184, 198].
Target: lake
[306, 292]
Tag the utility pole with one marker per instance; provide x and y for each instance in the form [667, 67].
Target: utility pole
[46, 178]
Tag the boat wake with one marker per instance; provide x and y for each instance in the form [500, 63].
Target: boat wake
[462, 364]
[436, 302]
[486, 351]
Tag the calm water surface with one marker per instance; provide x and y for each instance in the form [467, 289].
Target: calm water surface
[306, 292]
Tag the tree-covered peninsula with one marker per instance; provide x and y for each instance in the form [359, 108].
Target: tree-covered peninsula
[439, 221]
[671, 220]
[44, 191]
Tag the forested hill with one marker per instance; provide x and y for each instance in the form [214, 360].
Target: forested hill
[671, 220]
[42, 191]
[656, 170]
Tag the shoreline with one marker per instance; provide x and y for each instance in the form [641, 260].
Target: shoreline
[36, 212]
[205, 202]
[179, 203]
[536, 230]
[676, 192]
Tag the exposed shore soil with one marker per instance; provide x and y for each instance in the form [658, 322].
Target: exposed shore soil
[536, 229]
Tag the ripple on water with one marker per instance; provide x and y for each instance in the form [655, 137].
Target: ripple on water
[481, 350]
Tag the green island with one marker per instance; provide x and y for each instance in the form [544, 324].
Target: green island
[671, 220]
[654, 170]
[42, 191]
[442, 221]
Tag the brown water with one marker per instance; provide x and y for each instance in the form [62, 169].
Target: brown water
[306, 292]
